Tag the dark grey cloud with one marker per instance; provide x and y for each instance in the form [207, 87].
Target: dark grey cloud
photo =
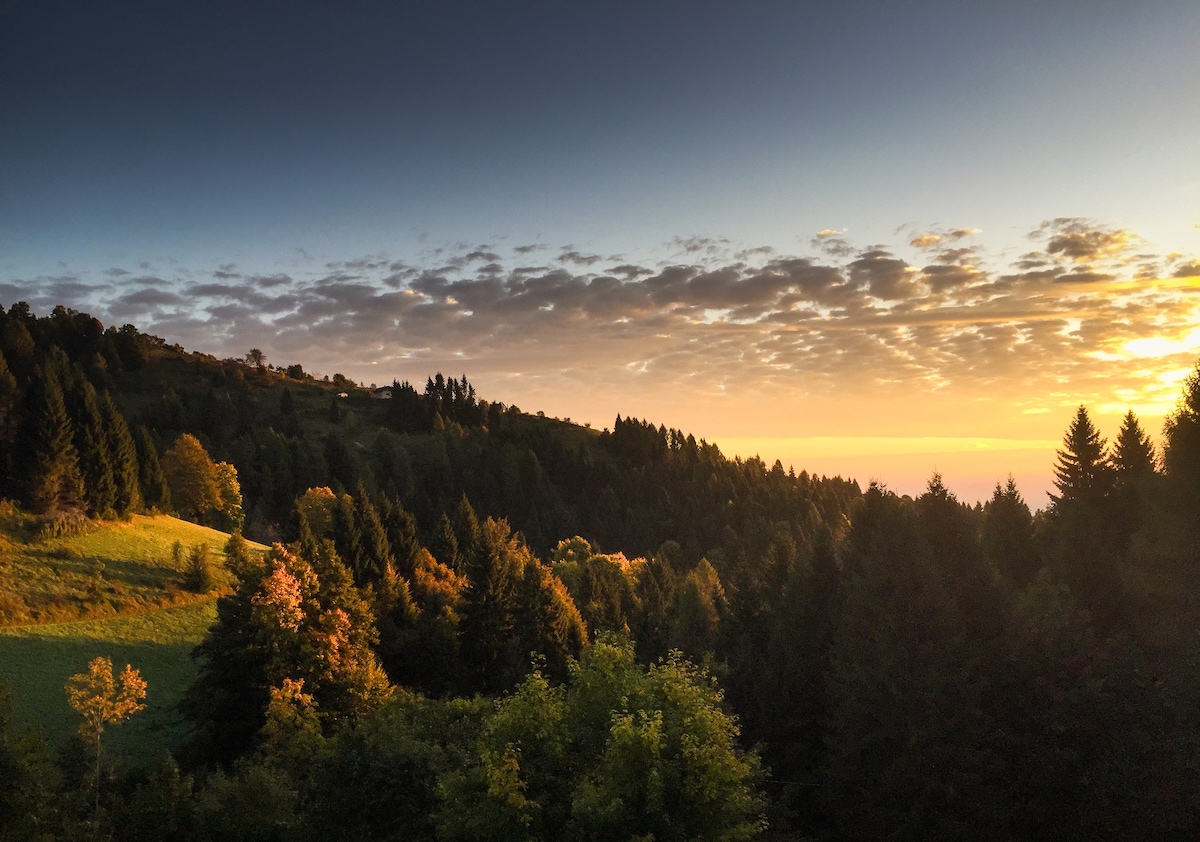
[145, 299]
[886, 277]
[832, 243]
[271, 281]
[578, 258]
[946, 276]
[1083, 241]
[700, 246]
[483, 253]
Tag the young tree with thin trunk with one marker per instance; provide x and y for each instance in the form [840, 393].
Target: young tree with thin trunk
[95, 696]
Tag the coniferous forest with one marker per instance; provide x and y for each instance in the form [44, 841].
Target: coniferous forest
[479, 623]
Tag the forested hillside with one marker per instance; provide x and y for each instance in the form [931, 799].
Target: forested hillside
[478, 623]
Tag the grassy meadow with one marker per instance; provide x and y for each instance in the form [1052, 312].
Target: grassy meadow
[36, 661]
[114, 590]
[112, 568]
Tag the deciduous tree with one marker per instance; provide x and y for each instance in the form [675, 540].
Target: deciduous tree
[94, 695]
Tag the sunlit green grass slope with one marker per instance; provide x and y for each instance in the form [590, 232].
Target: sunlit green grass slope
[36, 661]
[119, 589]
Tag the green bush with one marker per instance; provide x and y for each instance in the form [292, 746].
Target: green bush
[198, 575]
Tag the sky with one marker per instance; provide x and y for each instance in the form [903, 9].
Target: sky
[874, 240]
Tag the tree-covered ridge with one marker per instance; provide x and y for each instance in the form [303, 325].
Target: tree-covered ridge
[487, 624]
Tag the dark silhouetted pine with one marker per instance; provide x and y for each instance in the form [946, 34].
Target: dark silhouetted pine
[401, 529]
[53, 479]
[124, 456]
[156, 494]
[1181, 453]
[375, 554]
[91, 442]
[10, 396]
[1008, 534]
[1134, 458]
[445, 545]
[347, 535]
[1082, 472]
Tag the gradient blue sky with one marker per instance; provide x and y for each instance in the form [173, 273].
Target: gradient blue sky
[609, 183]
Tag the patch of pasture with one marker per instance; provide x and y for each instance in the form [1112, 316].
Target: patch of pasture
[36, 661]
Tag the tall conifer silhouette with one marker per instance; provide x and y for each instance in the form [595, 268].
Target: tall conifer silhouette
[54, 483]
[124, 456]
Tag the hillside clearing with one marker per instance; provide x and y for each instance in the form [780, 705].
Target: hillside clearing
[112, 569]
[36, 661]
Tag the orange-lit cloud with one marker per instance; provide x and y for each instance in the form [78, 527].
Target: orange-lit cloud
[862, 341]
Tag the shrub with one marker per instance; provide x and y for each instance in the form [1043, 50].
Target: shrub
[64, 524]
[198, 576]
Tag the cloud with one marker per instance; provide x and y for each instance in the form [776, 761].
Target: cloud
[1082, 241]
[933, 238]
[271, 281]
[884, 276]
[959, 233]
[832, 243]
[578, 258]
[720, 319]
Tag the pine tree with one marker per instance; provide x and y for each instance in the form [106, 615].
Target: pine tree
[1008, 534]
[445, 545]
[1181, 453]
[153, 482]
[376, 555]
[489, 615]
[401, 529]
[347, 535]
[466, 532]
[91, 440]
[1133, 454]
[1082, 472]
[10, 398]
[53, 483]
[1086, 523]
[124, 456]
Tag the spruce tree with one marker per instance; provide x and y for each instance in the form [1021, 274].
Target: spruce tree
[1133, 454]
[53, 480]
[1086, 524]
[91, 441]
[124, 456]
[1181, 453]
[1082, 472]
[155, 491]
[445, 545]
[10, 402]
[347, 536]
[466, 533]
[376, 555]
[1008, 534]
[401, 529]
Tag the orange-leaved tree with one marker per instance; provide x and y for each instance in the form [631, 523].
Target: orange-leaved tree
[95, 696]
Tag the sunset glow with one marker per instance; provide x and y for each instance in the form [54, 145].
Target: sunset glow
[736, 221]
